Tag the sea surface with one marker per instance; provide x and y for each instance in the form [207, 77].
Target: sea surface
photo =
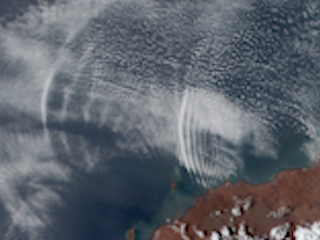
[104, 103]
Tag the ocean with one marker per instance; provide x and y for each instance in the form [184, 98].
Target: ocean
[105, 103]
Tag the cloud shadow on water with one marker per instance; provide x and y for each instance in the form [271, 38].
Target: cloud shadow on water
[121, 190]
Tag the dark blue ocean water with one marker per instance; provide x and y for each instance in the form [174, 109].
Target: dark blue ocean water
[11, 10]
[104, 106]
[130, 190]
[256, 170]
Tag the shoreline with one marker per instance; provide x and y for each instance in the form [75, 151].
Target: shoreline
[278, 209]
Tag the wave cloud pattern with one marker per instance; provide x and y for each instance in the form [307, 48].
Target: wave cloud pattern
[83, 83]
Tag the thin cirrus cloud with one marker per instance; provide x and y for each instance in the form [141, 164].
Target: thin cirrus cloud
[205, 127]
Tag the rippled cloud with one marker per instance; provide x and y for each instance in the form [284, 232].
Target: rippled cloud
[201, 81]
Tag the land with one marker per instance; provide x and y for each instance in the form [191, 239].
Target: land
[131, 235]
[273, 210]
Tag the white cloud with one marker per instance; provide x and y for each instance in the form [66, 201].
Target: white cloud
[208, 125]
[308, 233]
[23, 191]
[279, 232]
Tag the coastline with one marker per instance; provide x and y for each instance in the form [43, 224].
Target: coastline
[278, 209]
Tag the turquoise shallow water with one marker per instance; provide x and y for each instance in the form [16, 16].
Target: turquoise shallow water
[174, 205]
[105, 103]
[256, 170]
[290, 154]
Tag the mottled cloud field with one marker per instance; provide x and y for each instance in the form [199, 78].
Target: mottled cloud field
[199, 80]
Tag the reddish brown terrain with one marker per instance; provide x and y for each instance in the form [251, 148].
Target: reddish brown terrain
[291, 201]
[131, 234]
[174, 185]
